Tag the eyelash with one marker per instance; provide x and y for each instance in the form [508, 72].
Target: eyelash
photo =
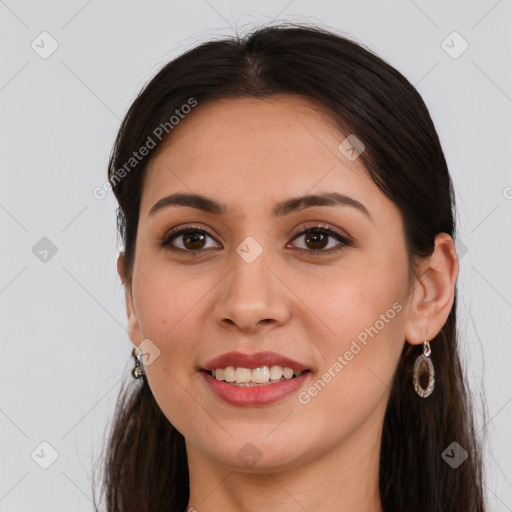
[312, 227]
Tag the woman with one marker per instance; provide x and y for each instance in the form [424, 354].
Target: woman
[290, 278]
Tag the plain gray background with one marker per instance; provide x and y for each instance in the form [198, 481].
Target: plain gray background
[64, 344]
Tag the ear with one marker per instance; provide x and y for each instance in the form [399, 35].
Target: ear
[133, 324]
[434, 291]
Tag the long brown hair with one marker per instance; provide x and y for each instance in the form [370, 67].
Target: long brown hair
[145, 466]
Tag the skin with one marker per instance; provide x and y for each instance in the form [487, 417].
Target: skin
[250, 154]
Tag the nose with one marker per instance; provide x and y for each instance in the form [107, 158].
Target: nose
[253, 296]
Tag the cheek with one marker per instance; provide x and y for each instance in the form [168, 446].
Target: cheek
[355, 298]
[165, 296]
[364, 317]
[167, 314]
[358, 363]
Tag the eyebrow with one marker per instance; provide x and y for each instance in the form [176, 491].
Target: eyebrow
[281, 209]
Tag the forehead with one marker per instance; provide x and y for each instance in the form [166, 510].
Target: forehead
[247, 150]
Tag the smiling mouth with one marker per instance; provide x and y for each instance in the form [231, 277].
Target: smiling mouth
[262, 376]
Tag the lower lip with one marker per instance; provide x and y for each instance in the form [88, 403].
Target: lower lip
[255, 395]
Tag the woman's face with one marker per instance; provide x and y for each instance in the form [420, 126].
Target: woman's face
[242, 280]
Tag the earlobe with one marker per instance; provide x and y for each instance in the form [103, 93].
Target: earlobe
[434, 292]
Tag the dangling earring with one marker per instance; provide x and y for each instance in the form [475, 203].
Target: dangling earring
[138, 372]
[424, 392]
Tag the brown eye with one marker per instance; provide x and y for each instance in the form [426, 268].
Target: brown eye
[193, 240]
[189, 239]
[317, 238]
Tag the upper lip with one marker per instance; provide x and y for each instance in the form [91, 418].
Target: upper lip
[251, 361]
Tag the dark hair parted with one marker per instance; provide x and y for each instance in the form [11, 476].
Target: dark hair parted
[146, 466]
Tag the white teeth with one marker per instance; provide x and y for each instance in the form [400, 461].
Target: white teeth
[229, 374]
[242, 375]
[288, 373]
[276, 372]
[261, 375]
